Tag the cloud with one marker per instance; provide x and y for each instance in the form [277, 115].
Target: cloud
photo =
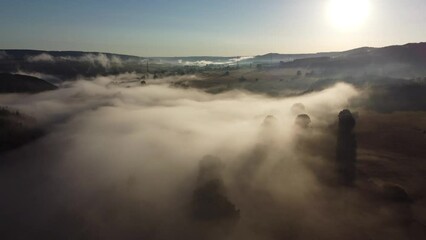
[116, 61]
[239, 59]
[230, 61]
[106, 62]
[44, 57]
[99, 59]
[122, 163]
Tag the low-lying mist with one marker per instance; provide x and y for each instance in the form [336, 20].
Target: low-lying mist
[144, 162]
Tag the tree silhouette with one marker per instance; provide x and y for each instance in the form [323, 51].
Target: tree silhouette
[346, 148]
[303, 120]
[209, 200]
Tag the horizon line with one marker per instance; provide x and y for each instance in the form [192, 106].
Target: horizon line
[188, 56]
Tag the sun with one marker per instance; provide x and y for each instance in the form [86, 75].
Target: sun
[348, 14]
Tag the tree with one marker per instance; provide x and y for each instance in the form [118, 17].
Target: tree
[209, 201]
[346, 148]
[303, 120]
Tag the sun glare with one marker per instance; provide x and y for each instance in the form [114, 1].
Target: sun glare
[348, 14]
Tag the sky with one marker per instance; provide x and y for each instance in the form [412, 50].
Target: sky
[204, 27]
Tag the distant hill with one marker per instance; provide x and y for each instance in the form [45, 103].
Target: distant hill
[402, 59]
[22, 54]
[277, 57]
[68, 65]
[15, 83]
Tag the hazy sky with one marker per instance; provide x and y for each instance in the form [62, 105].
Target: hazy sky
[202, 27]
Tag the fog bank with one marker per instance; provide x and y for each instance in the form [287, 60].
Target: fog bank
[125, 163]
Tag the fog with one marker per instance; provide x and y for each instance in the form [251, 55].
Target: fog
[124, 163]
[44, 57]
[93, 59]
[230, 61]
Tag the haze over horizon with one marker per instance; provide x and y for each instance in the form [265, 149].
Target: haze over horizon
[206, 28]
